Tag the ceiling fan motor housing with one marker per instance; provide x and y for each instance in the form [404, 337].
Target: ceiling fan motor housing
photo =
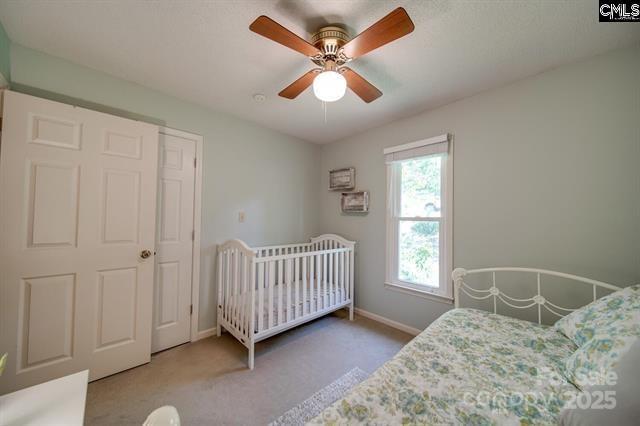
[329, 40]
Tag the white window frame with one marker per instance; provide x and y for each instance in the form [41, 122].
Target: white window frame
[444, 292]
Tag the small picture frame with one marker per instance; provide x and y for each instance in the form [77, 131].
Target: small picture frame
[340, 179]
[355, 202]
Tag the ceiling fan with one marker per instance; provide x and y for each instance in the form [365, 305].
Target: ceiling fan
[331, 49]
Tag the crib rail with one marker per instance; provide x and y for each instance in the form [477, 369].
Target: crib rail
[538, 300]
[235, 279]
[282, 249]
[265, 290]
[292, 286]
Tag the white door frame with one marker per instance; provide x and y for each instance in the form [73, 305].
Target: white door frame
[197, 217]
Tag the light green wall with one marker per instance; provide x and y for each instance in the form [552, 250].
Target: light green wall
[547, 174]
[5, 54]
[271, 176]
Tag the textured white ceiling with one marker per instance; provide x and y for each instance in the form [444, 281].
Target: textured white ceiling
[203, 51]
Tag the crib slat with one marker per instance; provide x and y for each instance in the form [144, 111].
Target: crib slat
[226, 284]
[296, 280]
[237, 290]
[312, 285]
[319, 278]
[287, 274]
[326, 277]
[344, 276]
[223, 283]
[232, 293]
[243, 292]
[316, 283]
[220, 285]
[330, 278]
[229, 284]
[352, 267]
[260, 297]
[230, 296]
[336, 279]
[347, 266]
[243, 289]
[272, 279]
[232, 271]
[238, 285]
[251, 323]
[336, 276]
[336, 283]
[304, 285]
[280, 285]
[235, 294]
[330, 283]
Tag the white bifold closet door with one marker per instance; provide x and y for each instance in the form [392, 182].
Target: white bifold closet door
[175, 234]
[77, 212]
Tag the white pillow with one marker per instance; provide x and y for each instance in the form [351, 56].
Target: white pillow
[624, 394]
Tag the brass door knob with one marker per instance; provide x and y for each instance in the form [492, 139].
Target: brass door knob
[145, 254]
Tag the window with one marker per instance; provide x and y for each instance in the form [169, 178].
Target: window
[419, 187]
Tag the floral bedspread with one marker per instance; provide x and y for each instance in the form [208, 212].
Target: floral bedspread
[468, 367]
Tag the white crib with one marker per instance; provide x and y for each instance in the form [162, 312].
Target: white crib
[263, 291]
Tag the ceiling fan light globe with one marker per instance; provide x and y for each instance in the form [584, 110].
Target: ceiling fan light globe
[329, 86]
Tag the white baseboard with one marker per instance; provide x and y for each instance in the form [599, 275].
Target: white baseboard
[387, 321]
[205, 333]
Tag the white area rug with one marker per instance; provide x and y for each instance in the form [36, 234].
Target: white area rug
[312, 406]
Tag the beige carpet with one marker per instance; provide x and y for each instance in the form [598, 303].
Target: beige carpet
[209, 383]
[304, 412]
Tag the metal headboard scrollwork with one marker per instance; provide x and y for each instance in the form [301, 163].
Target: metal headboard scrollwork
[538, 299]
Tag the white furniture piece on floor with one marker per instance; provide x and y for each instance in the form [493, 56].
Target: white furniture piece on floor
[57, 402]
[263, 291]
[167, 415]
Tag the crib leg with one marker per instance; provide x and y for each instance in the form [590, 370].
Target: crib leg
[251, 355]
[351, 311]
[218, 330]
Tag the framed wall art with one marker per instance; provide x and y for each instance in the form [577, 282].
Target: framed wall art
[355, 202]
[340, 179]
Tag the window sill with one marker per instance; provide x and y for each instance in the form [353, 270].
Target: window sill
[420, 293]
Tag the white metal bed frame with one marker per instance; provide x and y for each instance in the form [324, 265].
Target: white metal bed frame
[538, 299]
[263, 291]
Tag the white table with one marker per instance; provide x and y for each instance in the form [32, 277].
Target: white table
[58, 402]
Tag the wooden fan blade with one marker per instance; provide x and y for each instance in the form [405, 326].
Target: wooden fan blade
[294, 89]
[393, 26]
[270, 29]
[361, 87]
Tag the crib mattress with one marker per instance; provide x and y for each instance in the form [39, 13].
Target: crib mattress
[315, 301]
[319, 300]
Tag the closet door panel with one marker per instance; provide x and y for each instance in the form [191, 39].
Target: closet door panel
[55, 220]
[172, 313]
